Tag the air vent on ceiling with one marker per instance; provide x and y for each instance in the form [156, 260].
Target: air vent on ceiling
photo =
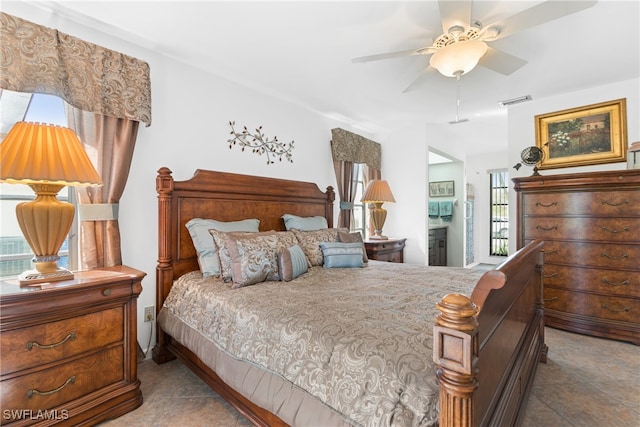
[517, 100]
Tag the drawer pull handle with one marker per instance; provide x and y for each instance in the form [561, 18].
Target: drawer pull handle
[623, 283]
[539, 227]
[615, 310]
[611, 230]
[606, 255]
[553, 252]
[549, 276]
[624, 202]
[31, 344]
[106, 292]
[70, 380]
[550, 299]
[547, 206]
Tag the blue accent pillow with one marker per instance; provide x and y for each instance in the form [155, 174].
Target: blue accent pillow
[307, 223]
[342, 255]
[204, 244]
[292, 262]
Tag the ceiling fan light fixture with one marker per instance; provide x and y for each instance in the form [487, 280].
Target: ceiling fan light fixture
[458, 58]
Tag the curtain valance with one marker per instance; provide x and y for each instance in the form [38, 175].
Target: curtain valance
[37, 59]
[350, 147]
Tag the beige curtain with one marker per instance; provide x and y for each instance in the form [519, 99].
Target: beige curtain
[345, 178]
[109, 93]
[37, 59]
[110, 142]
[347, 149]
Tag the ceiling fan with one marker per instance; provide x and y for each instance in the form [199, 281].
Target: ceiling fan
[464, 42]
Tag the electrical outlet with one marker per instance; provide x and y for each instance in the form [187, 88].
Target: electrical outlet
[149, 313]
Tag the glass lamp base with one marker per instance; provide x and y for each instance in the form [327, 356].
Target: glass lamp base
[34, 277]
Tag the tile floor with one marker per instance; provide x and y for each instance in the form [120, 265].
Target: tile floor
[587, 382]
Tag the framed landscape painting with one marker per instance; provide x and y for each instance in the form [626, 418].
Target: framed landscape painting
[587, 135]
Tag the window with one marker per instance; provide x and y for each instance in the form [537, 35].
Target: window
[15, 254]
[499, 238]
[359, 209]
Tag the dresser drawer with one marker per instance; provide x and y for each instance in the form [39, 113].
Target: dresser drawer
[49, 342]
[611, 282]
[597, 306]
[617, 256]
[576, 228]
[390, 257]
[53, 387]
[583, 203]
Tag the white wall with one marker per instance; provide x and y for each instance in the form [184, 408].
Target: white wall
[404, 156]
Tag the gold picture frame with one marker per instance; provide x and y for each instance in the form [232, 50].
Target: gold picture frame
[588, 135]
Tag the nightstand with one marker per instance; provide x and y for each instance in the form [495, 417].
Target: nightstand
[69, 348]
[391, 250]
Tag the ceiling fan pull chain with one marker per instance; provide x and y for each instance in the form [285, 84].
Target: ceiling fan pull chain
[458, 96]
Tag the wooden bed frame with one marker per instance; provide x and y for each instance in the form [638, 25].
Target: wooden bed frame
[486, 347]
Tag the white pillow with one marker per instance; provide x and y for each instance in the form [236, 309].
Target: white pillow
[204, 244]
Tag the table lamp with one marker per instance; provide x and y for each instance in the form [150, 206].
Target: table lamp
[378, 192]
[46, 158]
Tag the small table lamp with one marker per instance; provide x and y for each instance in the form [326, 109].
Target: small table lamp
[46, 158]
[378, 192]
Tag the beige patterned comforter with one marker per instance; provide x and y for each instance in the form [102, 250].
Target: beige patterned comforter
[357, 339]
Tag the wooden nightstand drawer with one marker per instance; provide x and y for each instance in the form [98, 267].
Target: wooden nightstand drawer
[69, 348]
[50, 389]
[390, 257]
[39, 344]
[391, 250]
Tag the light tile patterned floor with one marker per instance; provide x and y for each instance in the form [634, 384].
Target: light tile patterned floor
[587, 382]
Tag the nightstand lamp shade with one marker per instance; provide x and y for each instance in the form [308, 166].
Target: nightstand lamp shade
[376, 193]
[46, 158]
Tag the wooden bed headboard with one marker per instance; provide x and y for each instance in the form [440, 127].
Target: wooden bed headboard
[225, 197]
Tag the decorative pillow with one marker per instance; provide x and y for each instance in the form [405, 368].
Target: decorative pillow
[307, 223]
[342, 255]
[292, 262]
[254, 257]
[205, 247]
[309, 241]
[286, 239]
[222, 251]
[354, 238]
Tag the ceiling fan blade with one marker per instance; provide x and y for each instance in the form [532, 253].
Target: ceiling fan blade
[539, 14]
[419, 79]
[501, 62]
[389, 55]
[454, 12]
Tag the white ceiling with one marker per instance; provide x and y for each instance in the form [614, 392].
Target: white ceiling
[302, 50]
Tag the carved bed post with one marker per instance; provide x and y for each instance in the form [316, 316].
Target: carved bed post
[164, 272]
[455, 352]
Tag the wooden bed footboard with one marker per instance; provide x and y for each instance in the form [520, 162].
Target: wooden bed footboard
[487, 347]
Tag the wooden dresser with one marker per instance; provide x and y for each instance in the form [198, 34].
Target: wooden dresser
[69, 348]
[590, 223]
[390, 250]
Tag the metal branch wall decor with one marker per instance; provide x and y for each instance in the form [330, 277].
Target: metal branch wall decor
[261, 144]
